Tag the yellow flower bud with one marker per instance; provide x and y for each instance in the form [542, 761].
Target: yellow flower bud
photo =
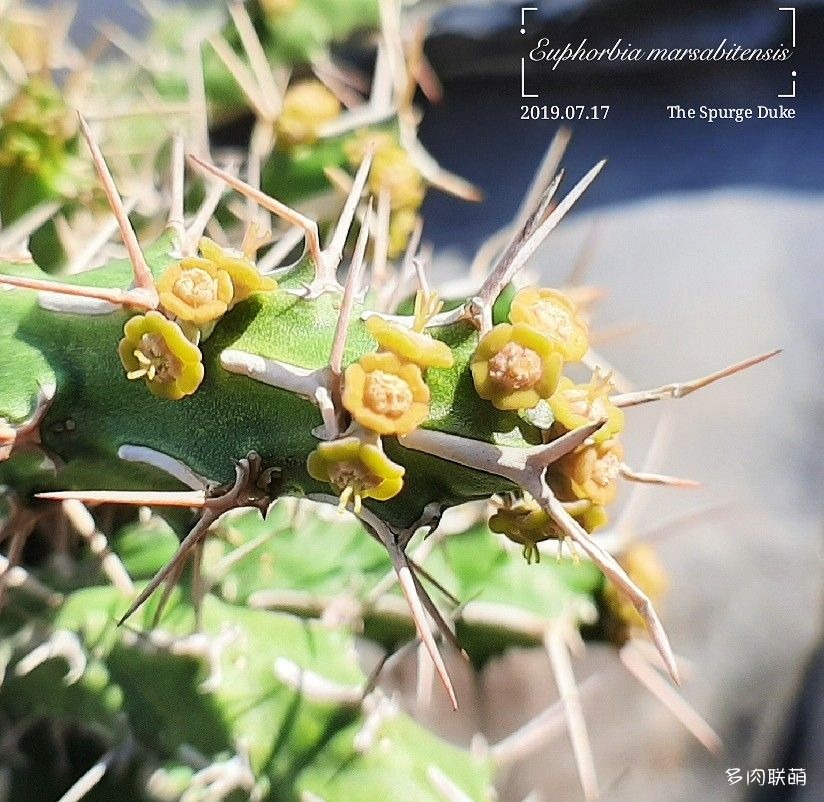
[555, 316]
[525, 523]
[155, 349]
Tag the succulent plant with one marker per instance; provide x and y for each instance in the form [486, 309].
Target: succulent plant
[195, 379]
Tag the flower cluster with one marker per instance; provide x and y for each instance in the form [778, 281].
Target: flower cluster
[517, 366]
[162, 347]
[386, 394]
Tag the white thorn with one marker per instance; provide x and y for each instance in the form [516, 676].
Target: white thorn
[447, 789]
[301, 381]
[81, 519]
[165, 463]
[61, 643]
[680, 389]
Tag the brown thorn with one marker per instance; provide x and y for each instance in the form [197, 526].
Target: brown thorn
[421, 572]
[536, 196]
[193, 498]
[657, 478]
[347, 302]
[610, 568]
[283, 211]
[174, 566]
[680, 389]
[134, 298]
[514, 259]
[407, 583]
[637, 664]
[143, 278]
[433, 610]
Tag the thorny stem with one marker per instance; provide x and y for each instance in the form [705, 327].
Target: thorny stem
[283, 211]
[142, 275]
[680, 389]
[539, 489]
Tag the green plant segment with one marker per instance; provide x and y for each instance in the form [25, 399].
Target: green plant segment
[206, 647]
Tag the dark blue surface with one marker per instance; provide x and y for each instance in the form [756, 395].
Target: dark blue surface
[478, 132]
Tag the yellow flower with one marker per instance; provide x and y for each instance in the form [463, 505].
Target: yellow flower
[246, 279]
[575, 405]
[385, 394]
[392, 169]
[356, 469]
[195, 290]
[412, 346]
[592, 471]
[525, 523]
[307, 107]
[554, 315]
[155, 349]
[514, 367]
